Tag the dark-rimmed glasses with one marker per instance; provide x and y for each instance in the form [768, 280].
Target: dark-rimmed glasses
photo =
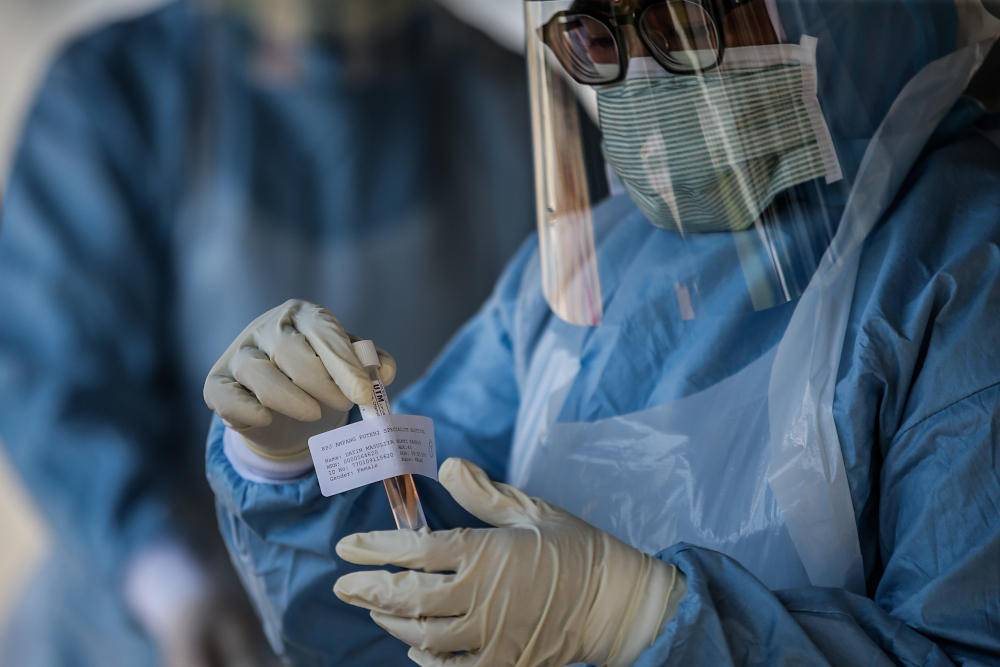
[683, 36]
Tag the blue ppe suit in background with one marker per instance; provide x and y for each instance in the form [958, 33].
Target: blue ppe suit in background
[165, 194]
[916, 405]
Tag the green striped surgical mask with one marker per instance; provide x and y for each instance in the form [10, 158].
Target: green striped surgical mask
[710, 153]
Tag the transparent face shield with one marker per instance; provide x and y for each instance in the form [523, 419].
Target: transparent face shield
[700, 114]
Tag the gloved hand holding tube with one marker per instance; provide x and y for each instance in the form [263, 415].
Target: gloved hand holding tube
[292, 373]
[541, 589]
[290, 378]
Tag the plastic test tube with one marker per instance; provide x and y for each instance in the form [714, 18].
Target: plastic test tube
[402, 492]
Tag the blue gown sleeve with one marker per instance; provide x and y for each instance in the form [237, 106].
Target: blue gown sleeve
[918, 413]
[282, 537]
[86, 412]
[936, 603]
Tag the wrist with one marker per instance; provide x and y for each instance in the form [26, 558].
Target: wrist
[255, 466]
[657, 594]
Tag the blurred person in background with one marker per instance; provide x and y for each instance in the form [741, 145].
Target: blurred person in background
[180, 173]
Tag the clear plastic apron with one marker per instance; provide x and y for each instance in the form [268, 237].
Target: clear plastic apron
[762, 480]
[674, 473]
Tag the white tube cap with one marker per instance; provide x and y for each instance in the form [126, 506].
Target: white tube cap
[365, 350]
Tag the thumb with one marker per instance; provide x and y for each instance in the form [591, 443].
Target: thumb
[497, 504]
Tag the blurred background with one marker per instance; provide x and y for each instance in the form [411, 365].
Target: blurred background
[31, 32]
[170, 171]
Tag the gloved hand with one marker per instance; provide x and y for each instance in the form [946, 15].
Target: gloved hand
[542, 589]
[209, 633]
[191, 619]
[290, 375]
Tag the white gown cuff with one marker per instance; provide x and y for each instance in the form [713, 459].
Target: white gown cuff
[253, 467]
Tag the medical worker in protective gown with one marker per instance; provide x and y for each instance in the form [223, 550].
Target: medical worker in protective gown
[181, 173]
[743, 387]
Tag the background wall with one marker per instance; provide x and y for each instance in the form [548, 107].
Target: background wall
[30, 33]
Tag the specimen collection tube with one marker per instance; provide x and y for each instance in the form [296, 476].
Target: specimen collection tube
[402, 492]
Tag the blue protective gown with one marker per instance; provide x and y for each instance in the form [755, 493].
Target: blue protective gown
[917, 406]
[147, 222]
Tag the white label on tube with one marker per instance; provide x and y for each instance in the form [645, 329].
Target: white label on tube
[373, 450]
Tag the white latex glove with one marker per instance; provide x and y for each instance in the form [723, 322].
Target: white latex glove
[209, 633]
[543, 589]
[290, 375]
[189, 621]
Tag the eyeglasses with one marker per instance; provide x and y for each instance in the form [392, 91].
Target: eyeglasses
[683, 36]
